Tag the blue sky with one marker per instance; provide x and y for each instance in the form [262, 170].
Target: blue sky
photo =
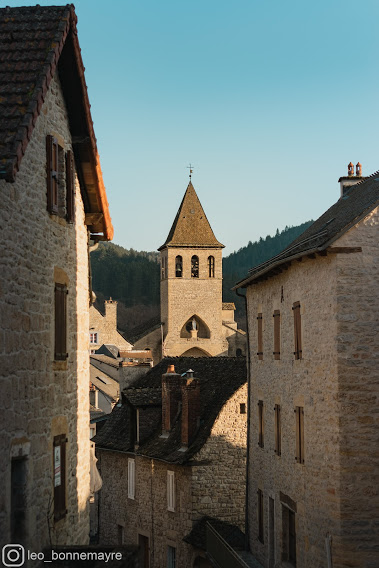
[269, 100]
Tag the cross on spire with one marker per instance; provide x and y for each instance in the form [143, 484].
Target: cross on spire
[190, 168]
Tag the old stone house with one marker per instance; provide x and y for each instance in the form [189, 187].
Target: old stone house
[194, 322]
[103, 328]
[171, 454]
[53, 201]
[313, 326]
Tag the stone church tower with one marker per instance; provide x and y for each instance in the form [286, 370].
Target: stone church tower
[191, 284]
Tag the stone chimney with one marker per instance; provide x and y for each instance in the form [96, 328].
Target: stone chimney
[111, 313]
[351, 179]
[190, 408]
[171, 396]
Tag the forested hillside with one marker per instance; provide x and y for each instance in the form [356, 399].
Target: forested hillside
[132, 277]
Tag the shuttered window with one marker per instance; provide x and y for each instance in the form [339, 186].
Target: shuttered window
[70, 188]
[260, 516]
[260, 424]
[276, 334]
[260, 337]
[52, 167]
[131, 478]
[60, 343]
[278, 430]
[170, 491]
[59, 468]
[299, 415]
[297, 330]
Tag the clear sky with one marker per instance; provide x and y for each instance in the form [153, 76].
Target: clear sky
[268, 99]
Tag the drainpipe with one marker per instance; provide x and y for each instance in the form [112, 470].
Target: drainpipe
[247, 546]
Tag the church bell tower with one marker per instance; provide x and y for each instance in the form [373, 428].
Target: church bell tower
[191, 284]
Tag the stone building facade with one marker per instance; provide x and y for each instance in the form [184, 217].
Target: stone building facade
[312, 317]
[46, 217]
[161, 482]
[103, 328]
[194, 320]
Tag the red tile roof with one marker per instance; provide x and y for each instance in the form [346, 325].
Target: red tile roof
[34, 43]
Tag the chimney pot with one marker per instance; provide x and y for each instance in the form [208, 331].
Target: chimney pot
[171, 369]
[350, 169]
[358, 169]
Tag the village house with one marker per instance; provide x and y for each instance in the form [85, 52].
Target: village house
[194, 322]
[313, 327]
[103, 328]
[53, 203]
[173, 455]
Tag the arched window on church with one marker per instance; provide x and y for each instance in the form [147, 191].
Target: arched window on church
[195, 266]
[179, 266]
[211, 266]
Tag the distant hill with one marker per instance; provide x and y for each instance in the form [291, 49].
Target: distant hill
[132, 277]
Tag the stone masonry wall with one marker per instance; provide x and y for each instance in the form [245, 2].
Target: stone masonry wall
[147, 514]
[311, 383]
[106, 328]
[358, 395]
[42, 398]
[218, 486]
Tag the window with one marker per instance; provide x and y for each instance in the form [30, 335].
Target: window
[171, 557]
[93, 337]
[52, 167]
[60, 180]
[170, 491]
[260, 337]
[260, 516]
[299, 414]
[211, 266]
[163, 267]
[297, 330]
[289, 536]
[195, 266]
[178, 266]
[239, 352]
[143, 551]
[59, 463]
[260, 424]
[60, 341]
[278, 430]
[120, 534]
[131, 478]
[242, 408]
[18, 499]
[276, 334]
[70, 188]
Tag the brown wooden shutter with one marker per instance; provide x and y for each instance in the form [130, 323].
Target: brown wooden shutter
[59, 476]
[297, 330]
[299, 413]
[52, 174]
[260, 337]
[260, 424]
[60, 346]
[278, 430]
[70, 187]
[260, 516]
[276, 334]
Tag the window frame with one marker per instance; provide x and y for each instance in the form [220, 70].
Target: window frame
[276, 352]
[178, 266]
[298, 352]
[211, 266]
[278, 430]
[260, 336]
[299, 417]
[131, 478]
[60, 322]
[195, 266]
[171, 491]
[52, 174]
[59, 474]
[171, 562]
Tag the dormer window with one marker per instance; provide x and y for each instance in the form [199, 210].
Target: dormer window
[195, 266]
[178, 266]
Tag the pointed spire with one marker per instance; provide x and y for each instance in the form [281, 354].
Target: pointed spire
[191, 227]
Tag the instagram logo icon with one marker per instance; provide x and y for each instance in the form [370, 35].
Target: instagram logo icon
[13, 555]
